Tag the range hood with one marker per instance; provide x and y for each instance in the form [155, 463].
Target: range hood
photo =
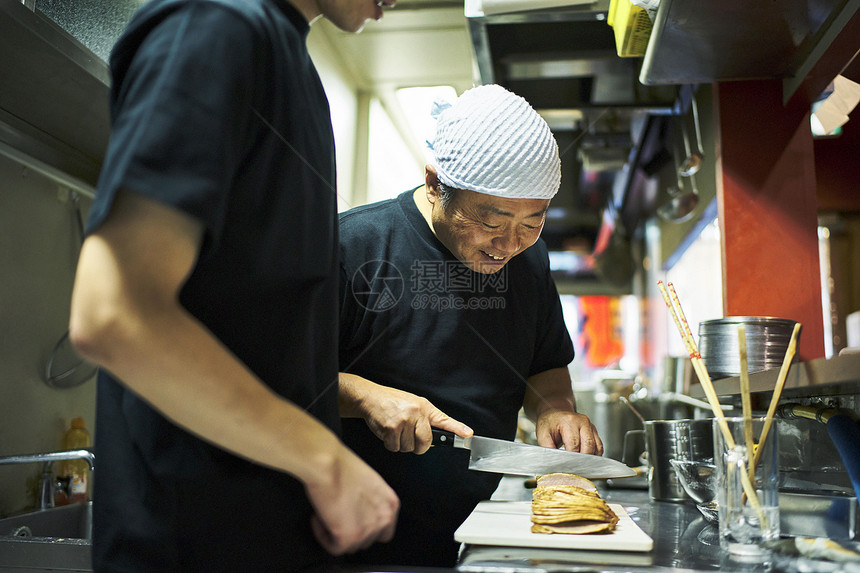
[699, 42]
[53, 97]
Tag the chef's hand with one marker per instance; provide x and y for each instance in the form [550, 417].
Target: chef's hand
[402, 420]
[354, 506]
[550, 403]
[569, 430]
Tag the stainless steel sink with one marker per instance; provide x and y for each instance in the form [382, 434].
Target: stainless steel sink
[56, 539]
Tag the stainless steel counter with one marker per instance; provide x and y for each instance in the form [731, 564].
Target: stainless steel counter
[683, 541]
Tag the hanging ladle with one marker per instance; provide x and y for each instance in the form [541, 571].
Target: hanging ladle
[681, 204]
[693, 160]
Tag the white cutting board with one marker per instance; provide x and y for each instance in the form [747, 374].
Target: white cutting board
[509, 523]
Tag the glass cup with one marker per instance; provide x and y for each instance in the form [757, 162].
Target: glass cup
[747, 498]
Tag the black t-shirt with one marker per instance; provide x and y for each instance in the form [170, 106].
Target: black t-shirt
[413, 317]
[218, 111]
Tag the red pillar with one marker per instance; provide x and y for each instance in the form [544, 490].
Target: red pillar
[767, 208]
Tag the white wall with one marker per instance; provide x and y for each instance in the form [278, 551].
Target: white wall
[38, 252]
[697, 277]
[373, 162]
[391, 167]
[342, 91]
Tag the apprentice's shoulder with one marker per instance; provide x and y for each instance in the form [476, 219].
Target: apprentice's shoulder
[256, 13]
[257, 7]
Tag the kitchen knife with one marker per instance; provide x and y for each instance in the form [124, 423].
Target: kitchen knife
[515, 458]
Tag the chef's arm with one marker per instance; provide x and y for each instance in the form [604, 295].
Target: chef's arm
[549, 402]
[127, 318]
[402, 420]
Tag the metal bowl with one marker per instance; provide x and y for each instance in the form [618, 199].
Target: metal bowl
[767, 340]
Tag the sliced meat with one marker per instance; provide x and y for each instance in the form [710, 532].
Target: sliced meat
[558, 506]
[575, 527]
[566, 479]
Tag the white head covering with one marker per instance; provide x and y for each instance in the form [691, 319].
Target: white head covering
[492, 141]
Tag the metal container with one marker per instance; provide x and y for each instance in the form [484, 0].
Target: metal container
[614, 419]
[675, 439]
[767, 340]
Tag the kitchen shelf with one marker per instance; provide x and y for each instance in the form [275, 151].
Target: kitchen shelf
[840, 374]
[696, 42]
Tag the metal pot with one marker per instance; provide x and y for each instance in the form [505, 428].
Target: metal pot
[767, 339]
[674, 439]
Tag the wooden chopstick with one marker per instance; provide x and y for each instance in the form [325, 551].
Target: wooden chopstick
[777, 391]
[745, 399]
[690, 344]
[695, 357]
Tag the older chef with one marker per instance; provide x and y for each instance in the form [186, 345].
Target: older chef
[450, 317]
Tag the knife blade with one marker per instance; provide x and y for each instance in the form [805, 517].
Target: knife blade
[516, 458]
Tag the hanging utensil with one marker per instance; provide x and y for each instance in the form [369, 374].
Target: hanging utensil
[680, 206]
[693, 159]
[681, 203]
[625, 401]
[64, 367]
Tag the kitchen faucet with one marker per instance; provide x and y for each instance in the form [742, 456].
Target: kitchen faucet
[47, 482]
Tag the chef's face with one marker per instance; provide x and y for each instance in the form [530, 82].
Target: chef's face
[351, 15]
[483, 231]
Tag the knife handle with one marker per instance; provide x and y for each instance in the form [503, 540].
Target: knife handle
[443, 438]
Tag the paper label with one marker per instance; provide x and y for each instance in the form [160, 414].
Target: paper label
[78, 485]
